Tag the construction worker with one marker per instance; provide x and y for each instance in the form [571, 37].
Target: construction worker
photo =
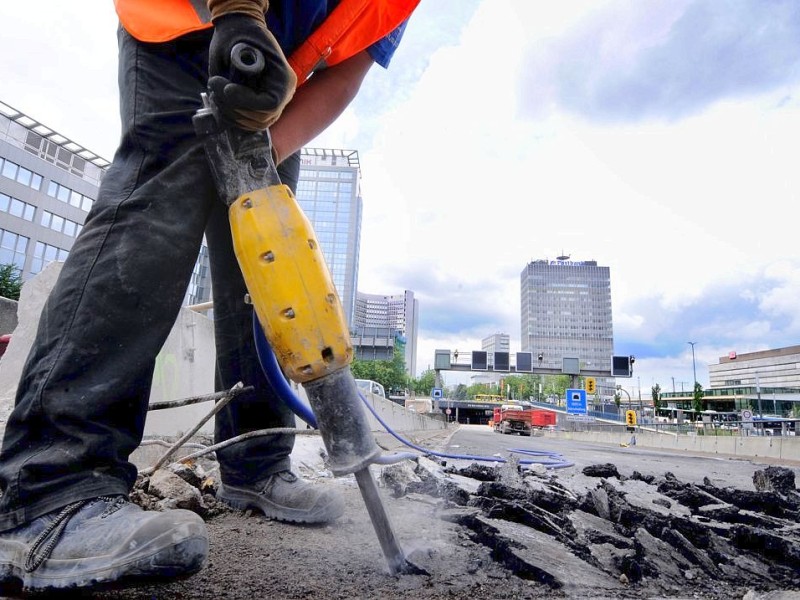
[65, 517]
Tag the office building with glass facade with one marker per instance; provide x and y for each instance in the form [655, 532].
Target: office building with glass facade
[328, 192]
[566, 313]
[48, 184]
[381, 322]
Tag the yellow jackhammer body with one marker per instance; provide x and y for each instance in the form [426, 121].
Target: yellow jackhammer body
[294, 298]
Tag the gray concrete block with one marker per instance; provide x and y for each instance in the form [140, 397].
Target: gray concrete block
[8, 315]
[31, 301]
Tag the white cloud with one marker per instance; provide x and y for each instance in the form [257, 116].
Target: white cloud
[782, 300]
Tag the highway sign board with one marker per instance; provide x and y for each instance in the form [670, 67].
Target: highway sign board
[576, 402]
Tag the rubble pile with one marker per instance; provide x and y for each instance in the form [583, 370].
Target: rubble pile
[605, 534]
[179, 485]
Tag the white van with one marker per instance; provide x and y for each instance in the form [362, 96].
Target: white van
[370, 387]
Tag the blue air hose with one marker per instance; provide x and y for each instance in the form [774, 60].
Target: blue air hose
[277, 379]
[275, 376]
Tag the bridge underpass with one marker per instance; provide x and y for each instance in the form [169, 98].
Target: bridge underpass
[471, 412]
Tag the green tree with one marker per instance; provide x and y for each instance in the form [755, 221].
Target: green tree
[424, 383]
[523, 387]
[655, 391]
[698, 401]
[556, 385]
[618, 400]
[10, 281]
[391, 374]
[460, 392]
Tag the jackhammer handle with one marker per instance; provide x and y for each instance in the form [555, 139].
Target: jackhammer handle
[246, 61]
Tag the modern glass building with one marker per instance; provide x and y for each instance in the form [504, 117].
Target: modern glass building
[566, 313]
[381, 322]
[328, 192]
[775, 368]
[48, 183]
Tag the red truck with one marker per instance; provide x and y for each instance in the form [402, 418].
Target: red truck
[512, 418]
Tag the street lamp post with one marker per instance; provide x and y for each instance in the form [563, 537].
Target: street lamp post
[694, 368]
[622, 389]
[641, 406]
[758, 393]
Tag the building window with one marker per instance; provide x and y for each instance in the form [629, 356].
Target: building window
[12, 248]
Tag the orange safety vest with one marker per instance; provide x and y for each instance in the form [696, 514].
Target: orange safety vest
[352, 26]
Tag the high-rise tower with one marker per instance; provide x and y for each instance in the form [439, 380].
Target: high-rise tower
[566, 312]
[328, 192]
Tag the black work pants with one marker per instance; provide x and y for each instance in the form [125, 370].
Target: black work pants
[82, 399]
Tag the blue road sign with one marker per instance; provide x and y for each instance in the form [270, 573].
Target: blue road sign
[576, 402]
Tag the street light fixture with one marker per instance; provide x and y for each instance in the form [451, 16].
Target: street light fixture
[694, 368]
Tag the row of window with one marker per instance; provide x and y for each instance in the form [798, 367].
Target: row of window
[69, 196]
[320, 227]
[309, 174]
[12, 170]
[16, 208]
[23, 210]
[60, 224]
[13, 247]
[341, 199]
[329, 189]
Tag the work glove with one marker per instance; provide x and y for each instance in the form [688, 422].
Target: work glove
[252, 102]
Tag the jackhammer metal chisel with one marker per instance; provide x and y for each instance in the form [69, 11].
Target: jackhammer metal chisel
[293, 295]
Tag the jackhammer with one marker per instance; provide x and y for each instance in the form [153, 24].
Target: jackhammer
[293, 295]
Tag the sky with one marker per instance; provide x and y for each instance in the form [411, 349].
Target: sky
[658, 138]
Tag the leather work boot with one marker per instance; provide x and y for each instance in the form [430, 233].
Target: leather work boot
[101, 541]
[286, 497]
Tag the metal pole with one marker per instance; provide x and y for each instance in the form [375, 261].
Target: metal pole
[641, 406]
[694, 368]
[758, 395]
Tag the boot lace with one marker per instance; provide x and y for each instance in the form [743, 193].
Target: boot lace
[44, 543]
